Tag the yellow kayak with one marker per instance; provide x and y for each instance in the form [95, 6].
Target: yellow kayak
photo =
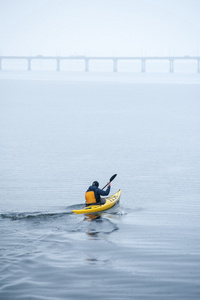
[110, 202]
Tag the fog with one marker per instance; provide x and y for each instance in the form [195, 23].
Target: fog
[60, 131]
[101, 27]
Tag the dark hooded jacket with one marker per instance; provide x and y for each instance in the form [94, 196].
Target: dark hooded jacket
[98, 192]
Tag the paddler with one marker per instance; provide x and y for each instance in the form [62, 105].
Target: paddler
[93, 194]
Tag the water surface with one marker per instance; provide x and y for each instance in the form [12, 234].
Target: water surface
[57, 136]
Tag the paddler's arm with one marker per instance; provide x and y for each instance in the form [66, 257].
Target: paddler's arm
[104, 193]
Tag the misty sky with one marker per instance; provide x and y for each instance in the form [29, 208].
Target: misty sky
[100, 27]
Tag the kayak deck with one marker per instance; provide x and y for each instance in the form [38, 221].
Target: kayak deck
[110, 202]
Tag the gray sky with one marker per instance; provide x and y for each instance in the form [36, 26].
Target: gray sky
[100, 27]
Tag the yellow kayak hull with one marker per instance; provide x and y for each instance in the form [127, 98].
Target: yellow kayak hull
[110, 202]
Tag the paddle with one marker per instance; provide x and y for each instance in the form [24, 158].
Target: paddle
[111, 179]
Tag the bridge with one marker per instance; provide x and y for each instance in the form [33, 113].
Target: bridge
[115, 60]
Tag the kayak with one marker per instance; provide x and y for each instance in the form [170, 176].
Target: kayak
[110, 202]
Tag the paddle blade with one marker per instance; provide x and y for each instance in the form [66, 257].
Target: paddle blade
[113, 177]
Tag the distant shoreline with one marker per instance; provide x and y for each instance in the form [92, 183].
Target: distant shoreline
[128, 77]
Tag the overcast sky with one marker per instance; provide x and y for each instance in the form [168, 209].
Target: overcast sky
[100, 27]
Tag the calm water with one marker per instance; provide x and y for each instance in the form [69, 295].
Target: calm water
[56, 137]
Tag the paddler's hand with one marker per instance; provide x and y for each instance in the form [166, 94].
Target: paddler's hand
[109, 184]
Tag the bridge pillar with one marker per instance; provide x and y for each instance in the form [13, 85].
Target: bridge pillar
[171, 66]
[86, 65]
[115, 65]
[143, 61]
[29, 64]
[198, 65]
[58, 64]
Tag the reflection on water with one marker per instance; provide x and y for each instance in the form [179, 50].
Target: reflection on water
[92, 217]
[95, 261]
[97, 224]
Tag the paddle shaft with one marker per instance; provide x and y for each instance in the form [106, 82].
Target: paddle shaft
[111, 179]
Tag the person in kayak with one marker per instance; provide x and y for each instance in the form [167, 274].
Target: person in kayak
[93, 194]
